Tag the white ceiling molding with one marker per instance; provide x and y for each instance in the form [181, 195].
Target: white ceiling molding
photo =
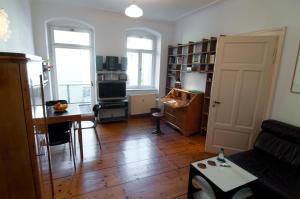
[158, 10]
[197, 9]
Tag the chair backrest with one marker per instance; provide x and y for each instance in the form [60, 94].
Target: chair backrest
[53, 102]
[280, 140]
[58, 133]
[96, 109]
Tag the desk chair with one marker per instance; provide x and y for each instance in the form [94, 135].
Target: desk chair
[89, 121]
[60, 133]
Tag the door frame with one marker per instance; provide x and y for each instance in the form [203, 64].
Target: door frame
[280, 33]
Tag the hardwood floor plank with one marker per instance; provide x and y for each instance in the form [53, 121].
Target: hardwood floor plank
[133, 163]
[166, 185]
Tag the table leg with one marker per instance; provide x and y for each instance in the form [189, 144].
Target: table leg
[80, 140]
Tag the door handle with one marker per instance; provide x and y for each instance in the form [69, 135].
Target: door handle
[217, 102]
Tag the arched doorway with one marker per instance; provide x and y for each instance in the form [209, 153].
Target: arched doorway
[71, 51]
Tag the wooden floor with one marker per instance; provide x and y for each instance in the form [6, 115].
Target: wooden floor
[133, 163]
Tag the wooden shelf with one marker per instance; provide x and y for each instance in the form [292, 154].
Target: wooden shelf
[196, 63]
[195, 53]
[204, 113]
[192, 63]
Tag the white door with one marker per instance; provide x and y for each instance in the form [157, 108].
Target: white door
[240, 91]
[72, 52]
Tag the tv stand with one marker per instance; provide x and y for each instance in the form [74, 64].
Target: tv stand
[113, 110]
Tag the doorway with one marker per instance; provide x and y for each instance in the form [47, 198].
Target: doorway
[72, 52]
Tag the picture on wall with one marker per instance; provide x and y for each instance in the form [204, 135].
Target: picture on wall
[295, 88]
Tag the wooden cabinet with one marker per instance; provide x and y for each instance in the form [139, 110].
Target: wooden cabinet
[183, 110]
[20, 89]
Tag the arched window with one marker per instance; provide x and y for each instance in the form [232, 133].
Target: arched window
[141, 54]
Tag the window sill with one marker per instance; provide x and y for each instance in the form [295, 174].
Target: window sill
[141, 91]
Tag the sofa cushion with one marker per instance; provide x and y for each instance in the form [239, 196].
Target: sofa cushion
[281, 141]
[276, 179]
[282, 130]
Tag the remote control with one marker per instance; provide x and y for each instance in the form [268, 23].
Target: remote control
[225, 165]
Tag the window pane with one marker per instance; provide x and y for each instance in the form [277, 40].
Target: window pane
[146, 73]
[76, 87]
[139, 43]
[71, 37]
[133, 68]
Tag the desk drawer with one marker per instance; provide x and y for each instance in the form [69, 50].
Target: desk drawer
[170, 118]
[170, 110]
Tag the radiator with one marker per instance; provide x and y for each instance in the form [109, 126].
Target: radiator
[142, 103]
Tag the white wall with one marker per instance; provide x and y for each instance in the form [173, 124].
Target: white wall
[238, 16]
[110, 30]
[21, 39]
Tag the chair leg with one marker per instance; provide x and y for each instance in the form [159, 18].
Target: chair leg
[72, 152]
[74, 136]
[97, 136]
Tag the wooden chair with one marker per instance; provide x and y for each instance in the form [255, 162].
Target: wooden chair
[89, 121]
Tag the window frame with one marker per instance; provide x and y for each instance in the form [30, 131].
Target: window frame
[142, 34]
[52, 46]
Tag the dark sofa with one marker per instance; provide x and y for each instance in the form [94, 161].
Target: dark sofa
[275, 160]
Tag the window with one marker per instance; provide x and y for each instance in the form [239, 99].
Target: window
[141, 59]
[71, 50]
[71, 37]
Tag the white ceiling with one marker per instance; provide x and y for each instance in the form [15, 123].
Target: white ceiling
[166, 10]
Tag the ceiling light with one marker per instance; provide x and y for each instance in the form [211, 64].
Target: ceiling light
[4, 25]
[133, 11]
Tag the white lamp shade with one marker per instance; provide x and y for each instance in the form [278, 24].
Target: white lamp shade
[133, 11]
[4, 25]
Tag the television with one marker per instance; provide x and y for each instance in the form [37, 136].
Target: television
[111, 90]
[112, 63]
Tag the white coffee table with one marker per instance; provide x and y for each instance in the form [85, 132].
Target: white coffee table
[226, 179]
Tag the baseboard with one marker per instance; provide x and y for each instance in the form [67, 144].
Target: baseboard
[140, 115]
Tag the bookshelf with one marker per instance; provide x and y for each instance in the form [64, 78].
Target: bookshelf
[207, 66]
[180, 59]
[196, 57]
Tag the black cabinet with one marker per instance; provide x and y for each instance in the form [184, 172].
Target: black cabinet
[111, 111]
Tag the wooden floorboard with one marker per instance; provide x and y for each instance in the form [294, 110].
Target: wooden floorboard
[133, 163]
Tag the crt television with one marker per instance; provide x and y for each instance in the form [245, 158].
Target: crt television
[111, 90]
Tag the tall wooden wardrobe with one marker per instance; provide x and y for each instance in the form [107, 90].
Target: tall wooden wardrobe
[23, 174]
